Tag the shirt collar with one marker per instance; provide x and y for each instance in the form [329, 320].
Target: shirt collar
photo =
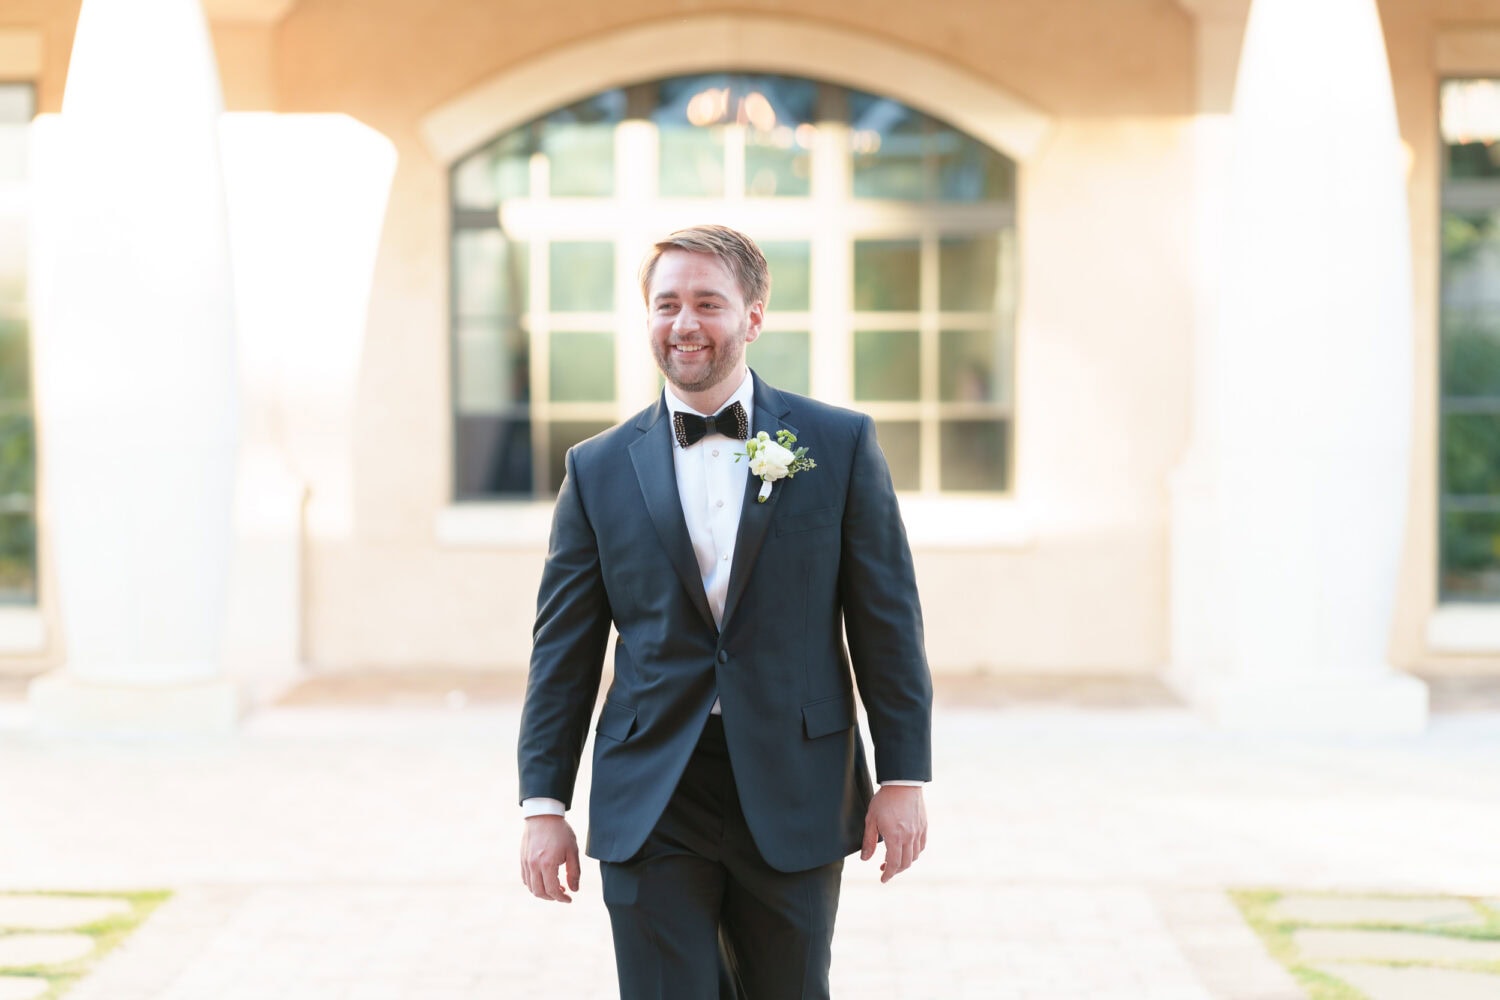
[744, 395]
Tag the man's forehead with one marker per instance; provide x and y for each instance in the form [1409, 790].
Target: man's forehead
[680, 272]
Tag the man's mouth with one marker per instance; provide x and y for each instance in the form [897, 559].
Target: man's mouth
[690, 348]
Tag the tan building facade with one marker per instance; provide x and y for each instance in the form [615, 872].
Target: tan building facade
[1116, 117]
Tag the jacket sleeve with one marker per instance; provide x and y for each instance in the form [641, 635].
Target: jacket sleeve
[883, 618]
[567, 651]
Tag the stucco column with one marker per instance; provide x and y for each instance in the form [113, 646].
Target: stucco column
[136, 386]
[1289, 511]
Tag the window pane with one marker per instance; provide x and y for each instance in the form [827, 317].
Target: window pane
[493, 455]
[971, 171]
[15, 355]
[887, 365]
[580, 145]
[494, 366]
[492, 274]
[781, 357]
[777, 162]
[689, 119]
[17, 555]
[1470, 557]
[582, 277]
[889, 141]
[692, 162]
[583, 367]
[791, 275]
[1471, 454]
[1470, 128]
[17, 461]
[498, 171]
[901, 441]
[973, 454]
[969, 274]
[972, 367]
[1471, 352]
[563, 435]
[886, 275]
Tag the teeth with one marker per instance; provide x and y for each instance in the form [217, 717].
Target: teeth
[690, 347]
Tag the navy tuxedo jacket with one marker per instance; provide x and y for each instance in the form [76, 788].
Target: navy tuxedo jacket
[824, 557]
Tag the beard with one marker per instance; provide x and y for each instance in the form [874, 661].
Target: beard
[725, 357]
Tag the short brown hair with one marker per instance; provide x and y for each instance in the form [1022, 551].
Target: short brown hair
[733, 249]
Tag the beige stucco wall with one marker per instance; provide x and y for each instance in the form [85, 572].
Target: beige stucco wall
[1105, 347]
[1106, 342]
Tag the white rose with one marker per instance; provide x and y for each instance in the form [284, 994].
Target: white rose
[771, 461]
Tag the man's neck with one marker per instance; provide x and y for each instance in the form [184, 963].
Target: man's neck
[708, 401]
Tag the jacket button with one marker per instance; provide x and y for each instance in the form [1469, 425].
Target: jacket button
[723, 656]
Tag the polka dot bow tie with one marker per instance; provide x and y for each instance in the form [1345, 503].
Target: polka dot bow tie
[731, 422]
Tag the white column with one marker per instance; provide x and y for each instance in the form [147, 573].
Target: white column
[136, 390]
[1303, 436]
[307, 197]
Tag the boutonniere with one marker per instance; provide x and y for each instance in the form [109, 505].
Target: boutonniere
[773, 460]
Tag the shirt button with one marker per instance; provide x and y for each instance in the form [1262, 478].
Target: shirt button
[719, 503]
[726, 557]
[716, 453]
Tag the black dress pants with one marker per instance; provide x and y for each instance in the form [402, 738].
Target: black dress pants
[697, 914]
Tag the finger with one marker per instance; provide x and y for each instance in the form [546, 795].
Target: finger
[872, 837]
[553, 888]
[895, 859]
[572, 864]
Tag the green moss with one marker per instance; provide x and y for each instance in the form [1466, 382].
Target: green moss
[107, 933]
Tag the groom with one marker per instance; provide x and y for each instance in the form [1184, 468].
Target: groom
[729, 777]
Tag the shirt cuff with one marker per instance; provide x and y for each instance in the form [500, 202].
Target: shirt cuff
[898, 781]
[541, 807]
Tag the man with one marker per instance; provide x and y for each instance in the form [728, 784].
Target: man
[729, 777]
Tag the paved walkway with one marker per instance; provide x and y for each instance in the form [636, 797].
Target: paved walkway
[338, 853]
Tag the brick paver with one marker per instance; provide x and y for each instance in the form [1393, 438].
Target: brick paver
[343, 854]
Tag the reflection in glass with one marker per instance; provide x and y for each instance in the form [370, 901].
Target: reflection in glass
[1470, 125]
[971, 171]
[583, 367]
[562, 435]
[791, 274]
[492, 456]
[901, 442]
[887, 365]
[968, 274]
[973, 455]
[889, 147]
[886, 275]
[494, 365]
[501, 170]
[579, 142]
[969, 367]
[1471, 454]
[492, 274]
[1470, 555]
[582, 277]
[692, 162]
[782, 358]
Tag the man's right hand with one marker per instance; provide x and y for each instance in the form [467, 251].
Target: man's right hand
[549, 844]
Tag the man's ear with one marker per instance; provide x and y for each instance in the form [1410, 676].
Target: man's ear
[756, 315]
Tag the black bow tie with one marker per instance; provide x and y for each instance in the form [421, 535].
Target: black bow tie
[730, 422]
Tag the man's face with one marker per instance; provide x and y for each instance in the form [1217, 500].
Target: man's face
[699, 321]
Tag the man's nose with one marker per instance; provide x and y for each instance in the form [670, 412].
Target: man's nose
[686, 320]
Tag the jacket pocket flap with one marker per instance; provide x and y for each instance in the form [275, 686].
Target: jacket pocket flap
[616, 721]
[831, 715]
[807, 520]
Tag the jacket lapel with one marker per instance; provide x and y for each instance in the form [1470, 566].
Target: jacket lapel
[651, 454]
[755, 517]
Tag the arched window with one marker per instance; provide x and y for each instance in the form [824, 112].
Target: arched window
[891, 239]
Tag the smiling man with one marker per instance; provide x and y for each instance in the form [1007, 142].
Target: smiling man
[729, 777]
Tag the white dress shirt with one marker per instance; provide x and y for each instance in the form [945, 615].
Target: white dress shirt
[711, 486]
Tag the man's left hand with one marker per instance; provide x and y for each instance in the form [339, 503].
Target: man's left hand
[897, 816]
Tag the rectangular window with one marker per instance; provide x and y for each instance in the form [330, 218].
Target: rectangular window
[17, 437]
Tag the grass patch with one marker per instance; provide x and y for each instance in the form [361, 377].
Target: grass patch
[107, 934]
[1257, 906]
